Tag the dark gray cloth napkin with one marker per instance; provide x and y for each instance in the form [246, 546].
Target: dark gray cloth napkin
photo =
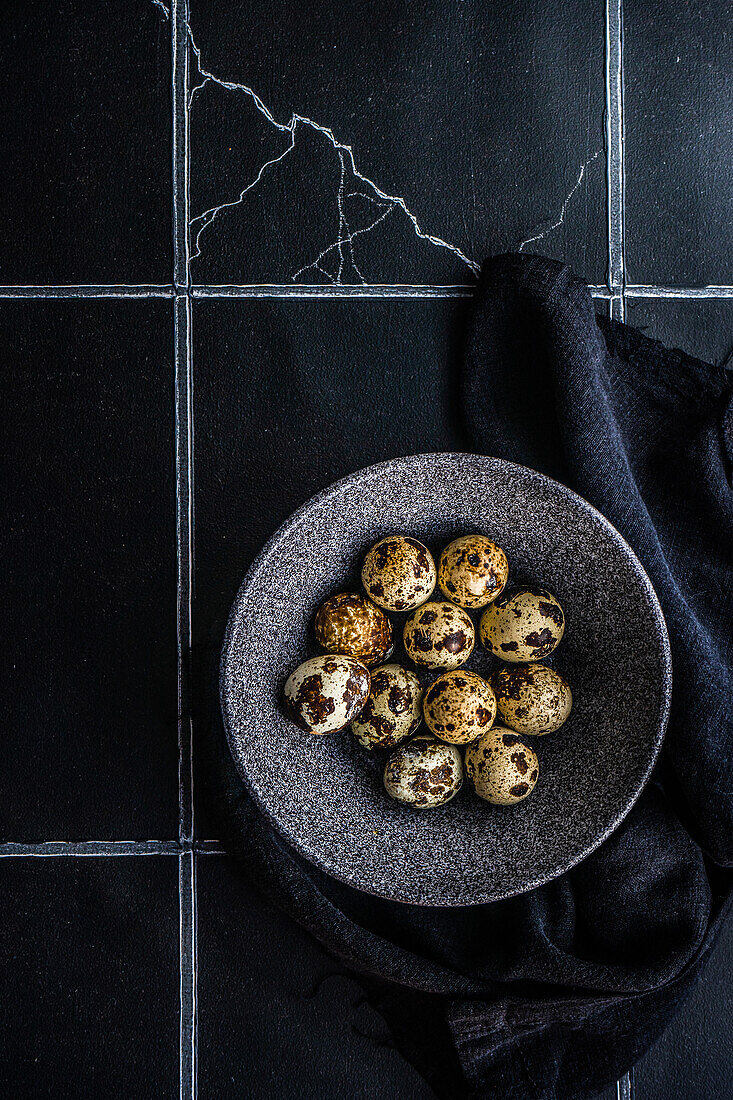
[559, 991]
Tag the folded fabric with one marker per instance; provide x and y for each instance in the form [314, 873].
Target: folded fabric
[558, 991]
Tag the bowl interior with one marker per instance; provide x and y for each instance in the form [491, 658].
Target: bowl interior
[325, 794]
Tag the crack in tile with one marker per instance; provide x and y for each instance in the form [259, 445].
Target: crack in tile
[343, 245]
[345, 236]
[563, 210]
[210, 215]
[338, 244]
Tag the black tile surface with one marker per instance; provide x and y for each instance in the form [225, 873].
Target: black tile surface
[694, 1058]
[89, 958]
[89, 571]
[346, 363]
[679, 201]
[85, 114]
[487, 120]
[277, 1017]
[479, 116]
[701, 328]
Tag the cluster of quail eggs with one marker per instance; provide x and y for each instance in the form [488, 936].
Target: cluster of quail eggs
[352, 682]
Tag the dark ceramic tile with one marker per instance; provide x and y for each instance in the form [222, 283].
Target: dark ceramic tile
[89, 571]
[679, 202]
[694, 1058]
[290, 396]
[480, 117]
[85, 113]
[89, 957]
[277, 1017]
[701, 328]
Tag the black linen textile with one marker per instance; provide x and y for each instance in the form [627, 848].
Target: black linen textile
[557, 992]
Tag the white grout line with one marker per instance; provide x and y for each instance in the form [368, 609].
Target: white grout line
[378, 290]
[332, 290]
[89, 290]
[184, 556]
[184, 543]
[179, 30]
[638, 290]
[615, 157]
[63, 848]
[187, 963]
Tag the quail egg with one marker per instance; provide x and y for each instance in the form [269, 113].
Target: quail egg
[459, 706]
[523, 624]
[392, 711]
[501, 767]
[532, 698]
[439, 635]
[424, 773]
[353, 625]
[472, 571]
[399, 573]
[325, 693]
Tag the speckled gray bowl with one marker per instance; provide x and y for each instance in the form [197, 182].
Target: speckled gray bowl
[324, 794]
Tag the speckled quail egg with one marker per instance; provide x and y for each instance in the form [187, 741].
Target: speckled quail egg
[424, 773]
[532, 698]
[353, 625]
[392, 711]
[459, 706]
[501, 767]
[325, 693]
[439, 635]
[399, 573]
[472, 571]
[523, 624]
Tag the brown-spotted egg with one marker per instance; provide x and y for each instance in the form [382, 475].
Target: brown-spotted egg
[472, 571]
[351, 624]
[459, 706]
[399, 573]
[523, 624]
[424, 773]
[439, 635]
[501, 767]
[392, 711]
[531, 698]
[325, 693]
